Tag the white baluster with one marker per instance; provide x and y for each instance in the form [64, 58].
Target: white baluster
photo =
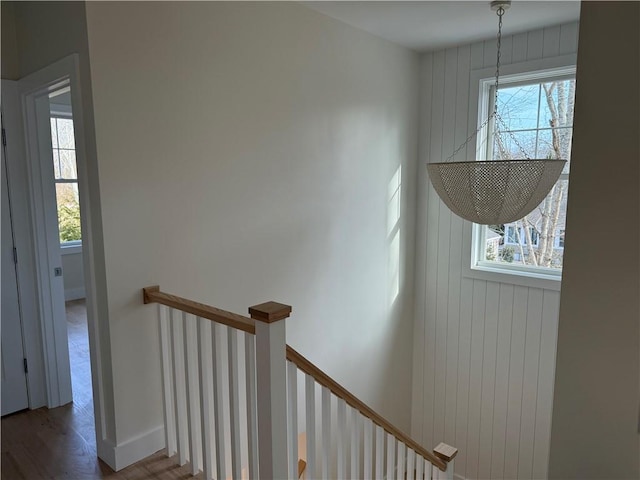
[391, 457]
[341, 440]
[326, 432]
[252, 412]
[411, 463]
[193, 391]
[368, 448]
[450, 470]
[310, 411]
[292, 423]
[167, 379]
[435, 473]
[355, 443]
[205, 349]
[180, 393]
[402, 460]
[219, 362]
[419, 467]
[379, 471]
[234, 404]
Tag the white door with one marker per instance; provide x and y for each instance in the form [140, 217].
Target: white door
[14, 380]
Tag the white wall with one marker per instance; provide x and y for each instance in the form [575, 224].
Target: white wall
[484, 351]
[596, 398]
[73, 273]
[246, 153]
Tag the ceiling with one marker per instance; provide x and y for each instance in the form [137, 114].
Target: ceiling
[425, 25]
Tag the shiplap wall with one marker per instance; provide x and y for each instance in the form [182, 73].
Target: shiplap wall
[484, 352]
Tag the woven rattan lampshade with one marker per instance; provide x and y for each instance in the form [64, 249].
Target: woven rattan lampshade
[494, 192]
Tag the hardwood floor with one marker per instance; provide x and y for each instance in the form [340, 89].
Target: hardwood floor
[60, 443]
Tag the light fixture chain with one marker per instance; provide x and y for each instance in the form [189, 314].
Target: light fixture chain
[500, 13]
[510, 133]
[469, 138]
[496, 115]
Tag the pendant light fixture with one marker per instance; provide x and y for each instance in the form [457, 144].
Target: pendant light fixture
[494, 192]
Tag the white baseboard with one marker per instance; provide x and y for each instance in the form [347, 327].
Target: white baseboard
[136, 448]
[107, 452]
[74, 294]
[458, 477]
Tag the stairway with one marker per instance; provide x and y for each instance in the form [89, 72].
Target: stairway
[237, 398]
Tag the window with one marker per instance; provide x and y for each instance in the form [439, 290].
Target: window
[66, 179]
[537, 113]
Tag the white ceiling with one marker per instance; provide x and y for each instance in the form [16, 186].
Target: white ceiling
[426, 25]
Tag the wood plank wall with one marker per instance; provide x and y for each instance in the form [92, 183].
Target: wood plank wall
[484, 352]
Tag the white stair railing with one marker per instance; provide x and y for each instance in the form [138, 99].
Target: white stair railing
[363, 444]
[231, 396]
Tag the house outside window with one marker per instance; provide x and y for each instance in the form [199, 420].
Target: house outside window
[537, 110]
[66, 180]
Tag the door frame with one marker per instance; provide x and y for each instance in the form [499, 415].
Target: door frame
[45, 231]
[64, 71]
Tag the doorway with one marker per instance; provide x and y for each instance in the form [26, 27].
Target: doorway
[65, 172]
[43, 116]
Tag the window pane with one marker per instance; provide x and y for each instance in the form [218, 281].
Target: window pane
[541, 243]
[555, 144]
[538, 119]
[518, 106]
[68, 168]
[54, 134]
[65, 133]
[68, 212]
[505, 145]
[556, 104]
[56, 164]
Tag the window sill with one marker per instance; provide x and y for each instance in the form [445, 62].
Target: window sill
[70, 249]
[514, 277]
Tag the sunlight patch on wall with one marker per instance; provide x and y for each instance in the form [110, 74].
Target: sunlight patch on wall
[393, 232]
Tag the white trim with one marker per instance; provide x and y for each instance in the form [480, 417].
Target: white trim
[98, 326]
[139, 447]
[481, 81]
[74, 294]
[70, 248]
[107, 452]
[61, 111]
[47, 244]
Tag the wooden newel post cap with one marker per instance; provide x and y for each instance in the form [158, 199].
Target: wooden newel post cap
[445, 452]
[148, 291]
[270, 312]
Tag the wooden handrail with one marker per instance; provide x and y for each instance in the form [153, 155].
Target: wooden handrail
[154, 295]
[323, 379]
[271, 311]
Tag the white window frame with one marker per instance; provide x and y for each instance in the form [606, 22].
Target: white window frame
[474, 239]
[75, 246]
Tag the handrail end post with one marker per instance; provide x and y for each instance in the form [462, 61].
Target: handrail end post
[270, 312]
[446, 453]
[147, 291]
[271, 383]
